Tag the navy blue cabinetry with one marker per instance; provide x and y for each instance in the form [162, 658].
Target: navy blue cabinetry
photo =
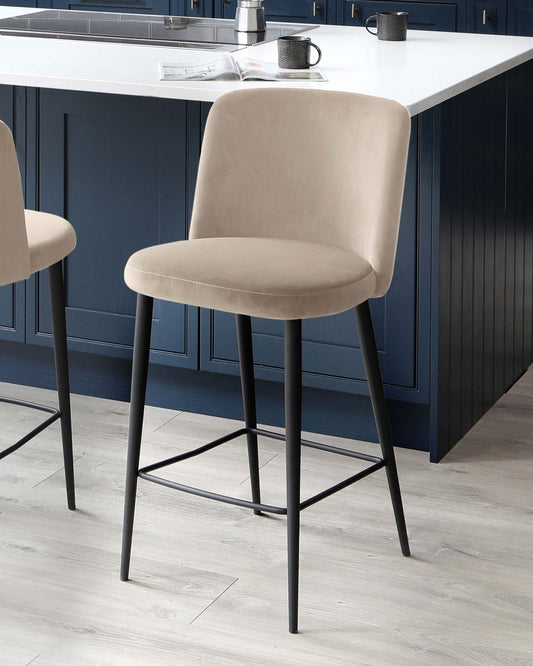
[28, 3]
[12, 296]
[485, 262]
[422, 15]
[487, 18]
[299, 11]
[116, 167]
[191, 7]
[520, 17]
[133, 6]
[331, 354]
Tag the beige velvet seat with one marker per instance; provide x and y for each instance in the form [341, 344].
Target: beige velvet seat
[31, 241]
[296, 215]
[263, 277]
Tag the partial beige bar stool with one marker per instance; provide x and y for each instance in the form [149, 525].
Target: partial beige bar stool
[31, 241]
[296, 215]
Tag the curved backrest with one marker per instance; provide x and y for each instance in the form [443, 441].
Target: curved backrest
[313, 165]
[14, 253]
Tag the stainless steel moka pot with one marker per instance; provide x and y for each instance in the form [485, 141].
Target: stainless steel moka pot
[250, 16]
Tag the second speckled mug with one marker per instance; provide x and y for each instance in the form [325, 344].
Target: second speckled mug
[391, 26]
[294, 52]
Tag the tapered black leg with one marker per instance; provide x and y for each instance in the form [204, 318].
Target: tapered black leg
[381, 414]
[141, 356]
[246, 361]
[59, 328]
[293, 433]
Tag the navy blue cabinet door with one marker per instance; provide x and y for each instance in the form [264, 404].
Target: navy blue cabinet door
[487, 18]
[11, 296]
[191, 7]
[116, 167]
[133, 6]
[520, 17]
[22, 3]
[331, 353]
[422, 15]
[298, 11]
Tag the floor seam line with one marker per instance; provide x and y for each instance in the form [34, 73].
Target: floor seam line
[53, 474]
[167, 422]
[260, 467]
[215, 599]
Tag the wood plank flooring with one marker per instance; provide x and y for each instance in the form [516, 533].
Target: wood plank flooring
[208, 580]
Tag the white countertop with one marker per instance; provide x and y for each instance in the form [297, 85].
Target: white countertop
[428, 68]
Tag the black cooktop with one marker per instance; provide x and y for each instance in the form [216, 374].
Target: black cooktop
[179, 31]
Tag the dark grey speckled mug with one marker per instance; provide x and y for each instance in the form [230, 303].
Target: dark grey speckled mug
[294, 52]
[391, 26]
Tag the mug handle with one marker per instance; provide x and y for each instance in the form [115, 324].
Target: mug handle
[312, 64]
[370, 18]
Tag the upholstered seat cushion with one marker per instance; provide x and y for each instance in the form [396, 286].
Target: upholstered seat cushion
[264, 277]
[50, 239]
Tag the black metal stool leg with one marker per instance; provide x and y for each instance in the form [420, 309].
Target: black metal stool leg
[381, 414]
[293, 433]
[59, 328]
[246, 361]
[141, 357]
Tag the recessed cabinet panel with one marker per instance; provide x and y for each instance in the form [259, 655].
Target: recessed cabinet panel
[331, 353]
[307, 11]
[8, 313]
[115, 166]
[422, 15]
[520, 17]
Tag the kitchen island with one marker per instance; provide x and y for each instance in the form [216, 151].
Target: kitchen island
[106, 144]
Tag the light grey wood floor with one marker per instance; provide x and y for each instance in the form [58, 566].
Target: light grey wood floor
[208, 580]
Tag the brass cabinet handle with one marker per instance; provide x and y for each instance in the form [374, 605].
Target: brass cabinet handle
[353, 10]
[316, 8]
[193, 3]
[484, 17]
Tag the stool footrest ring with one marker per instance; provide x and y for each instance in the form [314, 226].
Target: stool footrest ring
[144, 472]
[56, 414]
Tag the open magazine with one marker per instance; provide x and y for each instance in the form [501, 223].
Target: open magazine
[226, 68]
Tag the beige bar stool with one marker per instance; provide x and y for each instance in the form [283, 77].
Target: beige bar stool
[29, 242]
[296, 215]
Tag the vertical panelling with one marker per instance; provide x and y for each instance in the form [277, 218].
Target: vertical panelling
[452, 225]
[520, 206]
[470, 185]
[526, 171]
[485, 261]
[493, 178]
[435, 189]
[478, 202]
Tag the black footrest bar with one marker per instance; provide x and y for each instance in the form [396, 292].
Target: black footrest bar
[215, 496]
[195, 452]
[318, 445]
[32, 405]
[144, 473]
[343, 484]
